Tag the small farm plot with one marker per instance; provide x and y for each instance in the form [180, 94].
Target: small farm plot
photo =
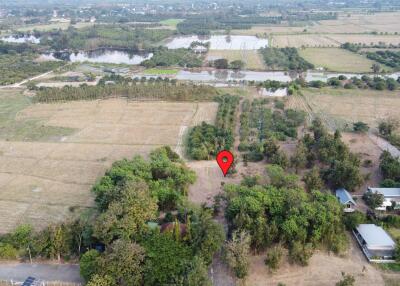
[335, 59]
[304, 40]
[342, 107]
[43, 182]
[252, 59]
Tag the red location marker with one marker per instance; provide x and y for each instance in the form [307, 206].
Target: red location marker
[224, 160]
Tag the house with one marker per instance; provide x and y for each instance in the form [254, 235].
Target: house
[376, 244]
[345, 199]
[200, 49]
[389, 195]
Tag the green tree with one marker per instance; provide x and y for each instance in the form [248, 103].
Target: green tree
[123, 261]
[98, 280]
[274, 257]
[198, 273]
[354, 219]
[237, 253]
[360, 127]
[376, 68]
[89, 264]
[313, 180]
[236, 65]
[221, 64]
[299, 159]
[388, 126]
[280, 179]
[372, 199]
[300, 253]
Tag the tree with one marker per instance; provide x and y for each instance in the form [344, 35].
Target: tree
[347, 280]
[299, 159]
[98, 280]
[123, 261]
[274, 257]
[352, 220]
[198, 273]
[388, 126]
[127, 217]
[237, 252]
[236, 65]
[221, 64]
[89, 264]
[360, 127]
[300, 253]
[376, 68]
[344, 174]
[279, 179]
[313, 180]
[373, 200]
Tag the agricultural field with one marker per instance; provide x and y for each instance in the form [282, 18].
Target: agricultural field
[252, 58]
[52, 26]
[339, 108]
[46, 177]
[171, 23]
[335, 59]
[304, 40]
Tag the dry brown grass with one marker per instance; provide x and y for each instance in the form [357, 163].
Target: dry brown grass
[253, 59]
[41, 181]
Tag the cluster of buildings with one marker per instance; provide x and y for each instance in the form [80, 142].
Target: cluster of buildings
[375, 242]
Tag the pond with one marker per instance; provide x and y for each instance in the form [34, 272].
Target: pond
[105, 56]
[223, 42]
[21, 39]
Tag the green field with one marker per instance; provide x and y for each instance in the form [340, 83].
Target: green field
[13, 128]
[156, 71]
[336, 59]
[49, 27]
[171, 22]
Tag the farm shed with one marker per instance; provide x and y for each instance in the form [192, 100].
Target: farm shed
[376, 244]
[346, 199]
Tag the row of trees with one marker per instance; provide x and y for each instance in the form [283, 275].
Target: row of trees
[206, 140]
[387, 57]
[377, 83]
[131, 89]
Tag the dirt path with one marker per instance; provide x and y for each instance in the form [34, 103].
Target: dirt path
[384, 145]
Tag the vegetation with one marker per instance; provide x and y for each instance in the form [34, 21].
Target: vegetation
[206, 140]
[131, 89]
[128, 199]
[237, 252]
[104, 36]
[341, 168]
[390, 168]
[17, 62]
[388, 130]
[177, 57]
[377, 83]
[387, 57]
[268, 215]
[285, 58]
[259, 123]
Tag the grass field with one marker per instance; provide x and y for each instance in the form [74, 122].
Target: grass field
[338, 107]
[252, 59]
[43, 182]
[336, 59]
[171, 22]
[156, 71]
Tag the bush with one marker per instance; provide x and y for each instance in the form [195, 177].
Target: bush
[7, 251]
[273, 258]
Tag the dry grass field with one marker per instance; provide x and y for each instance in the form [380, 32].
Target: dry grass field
[335, 59]
[43, 182]
[304, 40]
[338, 107]
[252, 58]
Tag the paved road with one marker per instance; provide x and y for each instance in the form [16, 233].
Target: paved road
[46, 272]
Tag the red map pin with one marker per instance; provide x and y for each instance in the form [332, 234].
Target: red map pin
[224, 160]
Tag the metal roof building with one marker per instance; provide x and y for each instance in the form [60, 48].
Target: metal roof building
[376, 244]
[387, 192]
[345, 199]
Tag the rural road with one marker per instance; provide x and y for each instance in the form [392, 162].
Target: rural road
[384, 145]
[46, 272]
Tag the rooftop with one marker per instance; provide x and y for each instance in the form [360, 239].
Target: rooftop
[344, 196]
[386, 192]
[375, 236]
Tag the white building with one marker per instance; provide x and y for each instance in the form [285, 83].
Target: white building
[389, 195]
[376, 244]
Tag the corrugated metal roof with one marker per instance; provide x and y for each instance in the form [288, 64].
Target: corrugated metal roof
[386, 192]
[344, 196]
[375, 236]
